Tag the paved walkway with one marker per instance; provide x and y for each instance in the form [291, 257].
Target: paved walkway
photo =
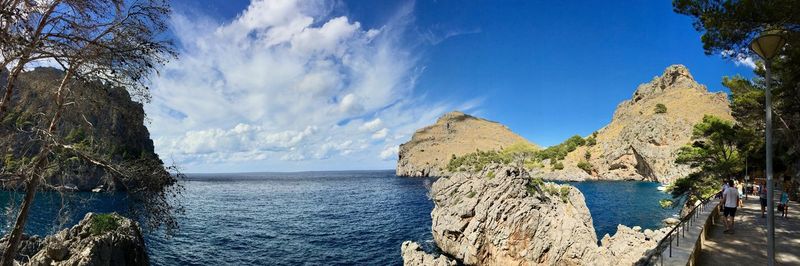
[747, 246]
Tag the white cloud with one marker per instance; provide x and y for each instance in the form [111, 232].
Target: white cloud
[740, 59]
[390, 152]
[282, 82]
[380, 134]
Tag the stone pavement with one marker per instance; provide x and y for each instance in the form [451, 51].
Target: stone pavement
[748, 244]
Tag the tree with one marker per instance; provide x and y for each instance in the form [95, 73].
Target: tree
[95, 43]
[716, 153]
[728, 27]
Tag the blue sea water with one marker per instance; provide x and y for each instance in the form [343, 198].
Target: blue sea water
[317, 218]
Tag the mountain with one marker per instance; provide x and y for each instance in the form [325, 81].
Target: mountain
[641, 142]
[107, 119]
[455, 133]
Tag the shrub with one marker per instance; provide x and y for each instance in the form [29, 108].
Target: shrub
[490, 175]
[558, 166]
[471, 194]
[591, 141]
[102, 223]
[587, 155]
[585, 166]
[564, 194]
[661, 108]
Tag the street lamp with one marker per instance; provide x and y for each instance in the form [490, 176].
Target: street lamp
[767, 46]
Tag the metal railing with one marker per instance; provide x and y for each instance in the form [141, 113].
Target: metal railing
[678, 231]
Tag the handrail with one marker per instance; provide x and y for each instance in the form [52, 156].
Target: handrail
[678, 228]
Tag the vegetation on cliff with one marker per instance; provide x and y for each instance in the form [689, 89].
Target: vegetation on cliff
[520, 154]
[728, 28]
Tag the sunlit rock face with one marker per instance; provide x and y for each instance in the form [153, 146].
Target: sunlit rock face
[501, 216]
[455, 133]
[642, 144]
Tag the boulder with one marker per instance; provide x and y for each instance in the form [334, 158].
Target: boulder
[512, 219]
[108, 239]
[414, 255]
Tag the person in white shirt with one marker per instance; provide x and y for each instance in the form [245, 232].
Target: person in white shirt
[730, 201]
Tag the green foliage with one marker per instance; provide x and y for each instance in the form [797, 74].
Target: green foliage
[490, 175]
[523, 153]
[716, 147]
[716, 151]
[585, 166]
[476, 161]
[471, 194]
[591, 140]
[558, 152]
[564, 194]
[11, 163]
[728, 27]
[75, 135]
[666, 203]
[661, 108]
[587, 155]
[102, 223]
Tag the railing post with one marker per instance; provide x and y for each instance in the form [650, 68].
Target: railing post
[670, 247]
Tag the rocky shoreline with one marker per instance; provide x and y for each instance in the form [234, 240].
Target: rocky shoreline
[98, 239]
[509, 218]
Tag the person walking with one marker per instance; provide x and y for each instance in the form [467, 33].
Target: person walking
[783, 206]
[762, 196]
[730, 201]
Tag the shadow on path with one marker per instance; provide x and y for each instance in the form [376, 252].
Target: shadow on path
[748, 244]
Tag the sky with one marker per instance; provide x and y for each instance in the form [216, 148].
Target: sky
[289, 85]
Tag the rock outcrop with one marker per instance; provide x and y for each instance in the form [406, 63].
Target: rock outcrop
[641, 143]
[414, 255]
[96, 240]
[508, 218]
[455, 133]
[106, 118]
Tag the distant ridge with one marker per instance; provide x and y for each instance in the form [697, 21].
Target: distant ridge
[455, 133]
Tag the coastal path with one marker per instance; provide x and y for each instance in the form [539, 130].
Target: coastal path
[748, 244]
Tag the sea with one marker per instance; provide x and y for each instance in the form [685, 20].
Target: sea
[313, 218]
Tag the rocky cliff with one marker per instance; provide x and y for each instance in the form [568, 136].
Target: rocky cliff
[507, 218]
[455, 133]
[642, 141]
[106, 118]
[98, 239]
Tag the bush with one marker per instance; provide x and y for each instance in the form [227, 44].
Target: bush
[471, 194]
[585, 166]
[102, 223]
[490, 175]
[591, 141]
[661, 108]
[558, 166]
[564, 194]
[587, 155]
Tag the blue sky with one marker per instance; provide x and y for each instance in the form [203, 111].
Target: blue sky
[288, 86]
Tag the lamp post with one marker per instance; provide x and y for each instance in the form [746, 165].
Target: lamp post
[767, 46]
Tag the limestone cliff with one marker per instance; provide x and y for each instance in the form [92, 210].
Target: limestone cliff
[507, 218]
[455, 133]
[106, 118]
[641, 143]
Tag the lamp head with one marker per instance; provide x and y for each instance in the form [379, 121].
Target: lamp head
[767, 45]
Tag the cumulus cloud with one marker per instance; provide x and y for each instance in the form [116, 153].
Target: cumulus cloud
[286, 82]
